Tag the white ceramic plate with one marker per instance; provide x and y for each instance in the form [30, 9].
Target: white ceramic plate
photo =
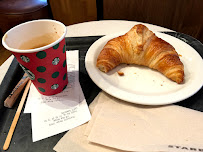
[143, 85]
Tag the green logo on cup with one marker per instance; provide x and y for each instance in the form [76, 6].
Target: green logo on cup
[55, 86]
[25, 58]
[55, 61]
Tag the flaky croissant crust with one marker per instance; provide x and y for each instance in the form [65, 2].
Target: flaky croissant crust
[142, 47]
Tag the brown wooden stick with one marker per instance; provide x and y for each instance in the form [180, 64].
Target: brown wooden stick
[15, 120]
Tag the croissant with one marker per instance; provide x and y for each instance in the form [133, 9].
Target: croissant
[142, 47]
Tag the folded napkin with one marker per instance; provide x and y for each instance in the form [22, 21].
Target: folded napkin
[121, 126]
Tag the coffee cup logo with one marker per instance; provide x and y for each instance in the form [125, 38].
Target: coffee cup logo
[55, 61]
[25, 58]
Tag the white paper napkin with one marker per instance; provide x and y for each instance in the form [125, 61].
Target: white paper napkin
[132, 127]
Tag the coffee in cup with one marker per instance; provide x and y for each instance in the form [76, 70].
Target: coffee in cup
[39, 41]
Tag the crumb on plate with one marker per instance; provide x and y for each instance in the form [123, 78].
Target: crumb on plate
[120, 73]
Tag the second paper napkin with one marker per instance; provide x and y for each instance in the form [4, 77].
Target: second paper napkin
[132, 127]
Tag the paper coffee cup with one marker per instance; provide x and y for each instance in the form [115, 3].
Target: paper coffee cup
[39, 46]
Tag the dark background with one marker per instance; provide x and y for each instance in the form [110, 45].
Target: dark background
[185, 16]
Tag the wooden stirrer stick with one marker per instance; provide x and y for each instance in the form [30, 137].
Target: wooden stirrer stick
[15, 119]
